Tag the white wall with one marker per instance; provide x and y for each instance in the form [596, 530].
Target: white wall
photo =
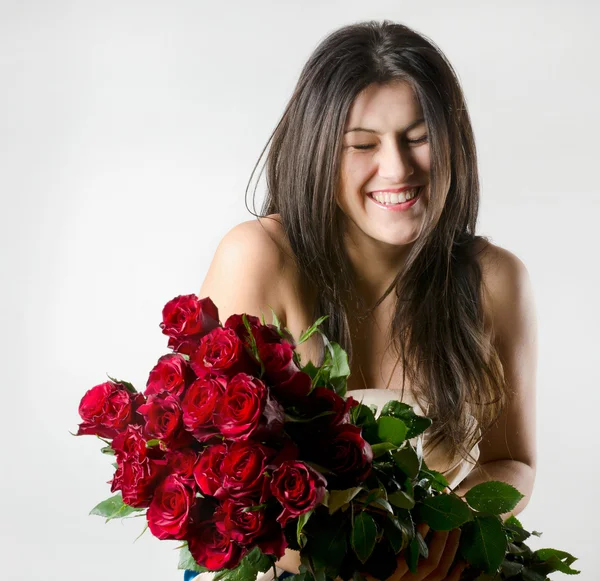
[128, 131]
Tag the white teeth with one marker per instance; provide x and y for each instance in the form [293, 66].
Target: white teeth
[394, 198]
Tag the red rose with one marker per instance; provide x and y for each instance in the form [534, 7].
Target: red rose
[246, 410]
[298, 488]
[106, 409]
[164, 420]
[213, 549]
[347, 454]
[169, 374]
[207, 471]
[199, 405]
[186, 319]
[221, 352]
[139, 469]
[182, 462]
[250, 527]
[323, 399]
[242, 469]
[236, 323]
[169, 510]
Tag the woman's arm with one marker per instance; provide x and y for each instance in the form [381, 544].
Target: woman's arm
[508, 450]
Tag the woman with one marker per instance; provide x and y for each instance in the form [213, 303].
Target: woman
[370, 218]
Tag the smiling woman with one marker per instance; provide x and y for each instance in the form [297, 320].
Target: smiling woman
[370, 218]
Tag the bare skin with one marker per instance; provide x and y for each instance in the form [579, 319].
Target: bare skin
[254, 269]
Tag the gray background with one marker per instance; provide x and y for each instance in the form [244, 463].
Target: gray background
[128, 131]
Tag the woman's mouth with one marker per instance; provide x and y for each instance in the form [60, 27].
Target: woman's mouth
[396, 201]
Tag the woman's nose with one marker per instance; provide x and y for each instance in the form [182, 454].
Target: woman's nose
[395, 163]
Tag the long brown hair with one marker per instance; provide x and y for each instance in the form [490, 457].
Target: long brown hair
[438, 326]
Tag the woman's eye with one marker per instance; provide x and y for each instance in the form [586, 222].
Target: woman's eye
[362, 146]
[420, 140]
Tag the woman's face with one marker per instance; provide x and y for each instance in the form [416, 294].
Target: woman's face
[385, 156]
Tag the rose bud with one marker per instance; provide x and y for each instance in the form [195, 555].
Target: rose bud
[221, 352]
[242, 469]
[246, 410]
[298, 488]
[236, 324]
[186, 319]
[213, 549]
[199, 405]
[169, 510]
[207, 471]
[106, 409]
[169, 374]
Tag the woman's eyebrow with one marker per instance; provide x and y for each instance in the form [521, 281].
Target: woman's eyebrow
[408, 128]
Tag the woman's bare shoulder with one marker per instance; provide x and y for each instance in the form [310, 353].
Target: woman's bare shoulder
[506, 285]
[248, 272]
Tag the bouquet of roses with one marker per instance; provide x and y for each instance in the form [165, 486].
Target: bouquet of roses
[239, 451]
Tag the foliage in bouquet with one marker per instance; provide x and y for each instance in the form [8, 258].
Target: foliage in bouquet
[239, 451]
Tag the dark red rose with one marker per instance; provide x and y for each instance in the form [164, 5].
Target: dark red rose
[182, 462]
[169, 374]
[186, 319]
[321, 400]
[169, 510]
[131, 442]
[246, 410]
[251, 527]
[344, 451]
[207, 471]
[242, 469]
[199, 405]
[294, 390]
[107, 408]
[164, 420]
[236, 323]
[298, 488]
[221, 352]
[213, 549]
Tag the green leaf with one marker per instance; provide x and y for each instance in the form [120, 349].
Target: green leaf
[311, 330]
[416, 424]
[416, 548]
[401, 499]
[107, 450]
[363, 536]
[395, 533]
[152, 443]
[513, 521]
[559, 560]
[445, 512]
[483, 543]
[114, 507]
[128, 386]
[338, 362]
[382, 503]
[391, 429]
[408, 461]
[340, 498]
[186, 561]
[382, 448]
[302, 520]
[493, 497]
[253, 563]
